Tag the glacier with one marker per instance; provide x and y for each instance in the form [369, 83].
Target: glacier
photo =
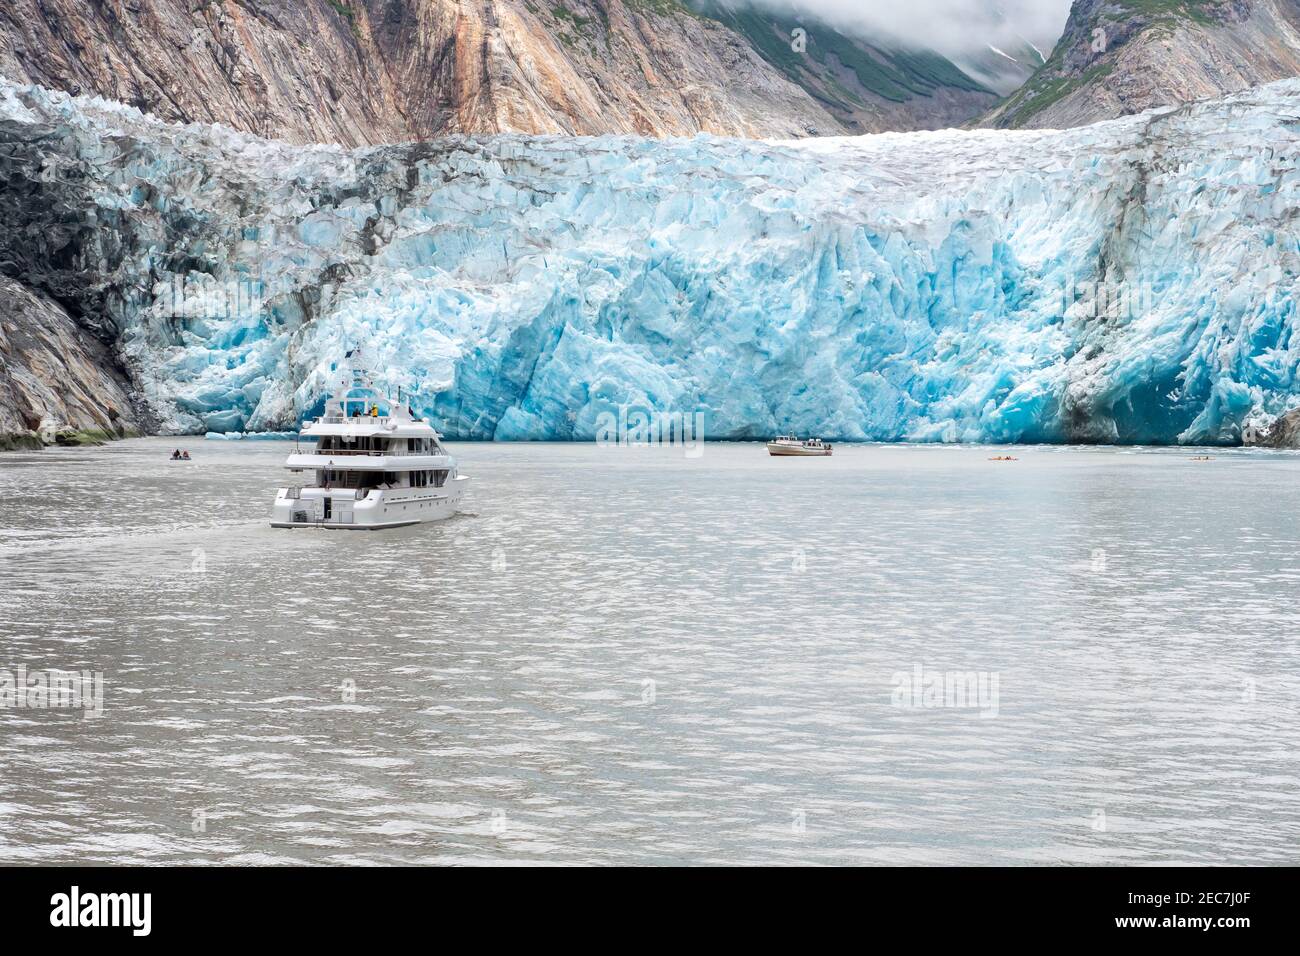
[1129, 282]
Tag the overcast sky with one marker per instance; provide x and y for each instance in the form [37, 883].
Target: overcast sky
[951, 26]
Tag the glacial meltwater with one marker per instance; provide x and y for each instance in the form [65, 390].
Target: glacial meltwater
[901, 654]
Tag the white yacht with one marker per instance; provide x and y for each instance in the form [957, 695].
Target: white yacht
[375, 465]
[789, 445]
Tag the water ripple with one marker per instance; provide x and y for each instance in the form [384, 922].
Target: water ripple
[626, 656]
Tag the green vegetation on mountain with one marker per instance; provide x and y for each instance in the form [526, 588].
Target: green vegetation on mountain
[1039, 94]
[1197, 10]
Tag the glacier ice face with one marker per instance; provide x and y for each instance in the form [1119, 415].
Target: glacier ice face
[1131, 281]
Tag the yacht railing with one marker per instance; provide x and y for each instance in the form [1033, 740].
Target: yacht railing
[358, 419]
[366, 452]
[338, 493]
[332, 452]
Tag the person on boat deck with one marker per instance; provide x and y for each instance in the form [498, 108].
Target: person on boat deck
[185, 456]
[176, 454]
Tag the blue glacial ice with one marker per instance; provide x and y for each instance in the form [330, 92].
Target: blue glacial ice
[1130, 281]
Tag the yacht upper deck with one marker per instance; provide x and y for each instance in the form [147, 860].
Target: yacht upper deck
[358, 410]
[359, 426]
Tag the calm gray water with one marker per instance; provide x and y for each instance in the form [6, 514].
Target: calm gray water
[628, 656]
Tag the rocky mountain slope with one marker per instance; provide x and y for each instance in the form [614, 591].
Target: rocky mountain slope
[1130, 281]
[59, 383]
[358, 72]
[1118, 57]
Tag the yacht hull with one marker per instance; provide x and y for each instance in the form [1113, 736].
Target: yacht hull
[336, 526]
[378, 511]
[794, 451]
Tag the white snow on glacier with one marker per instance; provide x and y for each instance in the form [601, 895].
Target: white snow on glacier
[1129, 281]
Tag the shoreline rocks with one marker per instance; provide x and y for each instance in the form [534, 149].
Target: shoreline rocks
[1284, 432]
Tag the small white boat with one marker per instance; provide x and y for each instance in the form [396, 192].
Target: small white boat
[790, 445]
[375, 465]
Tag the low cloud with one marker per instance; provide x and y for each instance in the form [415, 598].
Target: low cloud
[953, 27]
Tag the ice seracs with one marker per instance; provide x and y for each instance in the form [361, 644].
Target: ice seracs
[374, 466]
[1132, 281]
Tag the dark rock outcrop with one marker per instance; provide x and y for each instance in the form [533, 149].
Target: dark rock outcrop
[59, 383]
[1284, 432]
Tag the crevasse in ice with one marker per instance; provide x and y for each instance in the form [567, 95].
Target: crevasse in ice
[1128, 281]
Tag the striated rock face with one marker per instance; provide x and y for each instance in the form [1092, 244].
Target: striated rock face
[1119, 57]
[57, 382]
[296, 69]
[649, 67]
[361, 72]
[366, 72]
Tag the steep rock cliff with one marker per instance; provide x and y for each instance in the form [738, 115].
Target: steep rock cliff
[360, 72]
[366, 72]
[57, 382]
[1118, 57]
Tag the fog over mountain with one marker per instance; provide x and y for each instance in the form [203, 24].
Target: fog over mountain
[953, 27]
